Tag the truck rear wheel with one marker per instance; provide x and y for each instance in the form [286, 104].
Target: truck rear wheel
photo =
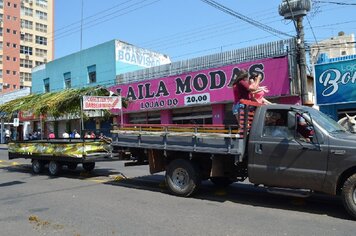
[89, 166]
[37, 166]
[54, 167]
[182, 178]
[349, 195]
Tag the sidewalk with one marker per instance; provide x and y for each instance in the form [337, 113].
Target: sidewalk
[3, 146]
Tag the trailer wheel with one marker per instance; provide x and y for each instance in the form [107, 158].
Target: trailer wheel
[54, 167]
[349, 195]
[37, 166]
[182, 178]
[72, 166]
[89, 166]
[221, 181]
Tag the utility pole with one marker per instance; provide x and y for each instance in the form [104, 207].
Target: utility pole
[302, 61]
[295, 10]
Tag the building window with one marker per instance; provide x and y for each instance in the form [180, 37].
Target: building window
[14, 72]
[26, 63]
[8, 17]
[26, 24]
[1, 31]
[25, 11]
[8, 44]
[14, 59]
[41, 27]
[41, 40]
[25, 76]
[46, 85]
[92, 73]
[1, 73]
[41, 15]
[41, 3]
[15, 5]
[14, 32]
[7, 72]
[27, 37]
[8, 4]
[8, 30]
[67, 80]
[0, 59]
[14, 45]
[343, 53]
[38, 63]
[26, 50]
[0, 45]
[1, 3]
[41, 52]
[7, 58]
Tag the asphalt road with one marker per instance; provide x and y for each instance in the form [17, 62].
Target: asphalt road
[117, 200]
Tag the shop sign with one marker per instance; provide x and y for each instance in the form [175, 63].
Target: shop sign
[26, 116]
[129, 54]
[335, 83]
[101, 102]
[202, 87]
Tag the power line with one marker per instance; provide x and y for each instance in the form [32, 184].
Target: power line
[245, 18]
[337, 3]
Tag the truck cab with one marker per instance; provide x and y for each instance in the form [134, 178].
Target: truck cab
[301, 148]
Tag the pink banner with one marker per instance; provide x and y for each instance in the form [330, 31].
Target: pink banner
[202, 87]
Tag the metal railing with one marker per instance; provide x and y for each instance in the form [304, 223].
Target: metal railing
[262, 51]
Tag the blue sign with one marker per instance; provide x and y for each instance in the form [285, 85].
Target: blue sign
[335, 82]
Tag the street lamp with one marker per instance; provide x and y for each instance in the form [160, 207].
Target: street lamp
[295, 10]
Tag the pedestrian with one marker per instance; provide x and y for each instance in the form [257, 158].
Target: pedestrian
[76, 134]
[51, 135]
[65, 135]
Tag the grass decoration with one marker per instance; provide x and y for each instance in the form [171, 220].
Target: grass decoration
[55, 104]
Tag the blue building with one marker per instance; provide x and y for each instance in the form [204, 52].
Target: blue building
[98, 65]
[335, 85]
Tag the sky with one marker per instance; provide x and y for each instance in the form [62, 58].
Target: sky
[185, 29]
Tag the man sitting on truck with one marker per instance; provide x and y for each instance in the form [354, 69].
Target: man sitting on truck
[304, 131]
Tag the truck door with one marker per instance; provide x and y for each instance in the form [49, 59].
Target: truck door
[280, 158]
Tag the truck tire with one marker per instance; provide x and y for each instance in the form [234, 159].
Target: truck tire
[221, 181]
[37, 166]
[182, 178]
[89, 166]
[72, 166]
[54, 167]
[349, 195]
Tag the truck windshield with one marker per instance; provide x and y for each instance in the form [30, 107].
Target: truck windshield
[325, 121]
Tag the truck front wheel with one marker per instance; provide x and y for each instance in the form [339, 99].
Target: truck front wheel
[349, 195]
[182, 178]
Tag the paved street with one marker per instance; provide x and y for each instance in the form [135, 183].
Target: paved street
[114, 200]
